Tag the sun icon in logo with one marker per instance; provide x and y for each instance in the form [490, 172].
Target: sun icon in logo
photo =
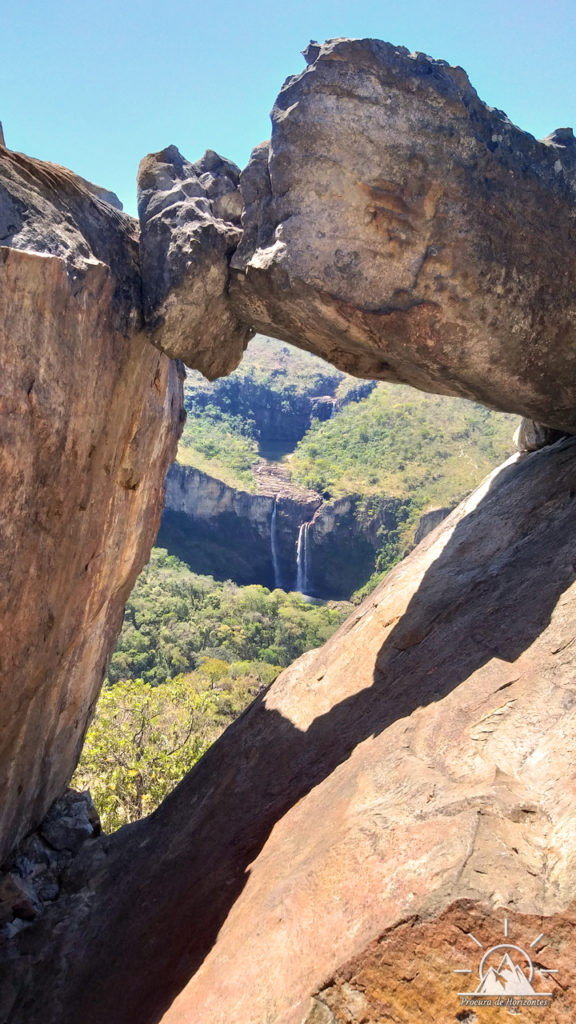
[506, 969]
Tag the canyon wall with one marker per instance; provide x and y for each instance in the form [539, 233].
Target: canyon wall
[90, 414]
[233, 534]
[227, 533]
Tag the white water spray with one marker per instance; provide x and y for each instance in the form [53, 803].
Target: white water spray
[303, 559]
[274, 545]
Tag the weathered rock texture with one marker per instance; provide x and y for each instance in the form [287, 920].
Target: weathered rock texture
[413, 779]
[405, 231]
[89, 419]
[190, 217]
[409, 782]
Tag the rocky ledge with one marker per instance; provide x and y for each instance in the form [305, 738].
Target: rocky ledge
[394, 224]
[413, 781]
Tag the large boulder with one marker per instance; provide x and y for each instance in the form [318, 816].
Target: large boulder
[402, 229]
[408, 783]
[190, 217]
[90, 413]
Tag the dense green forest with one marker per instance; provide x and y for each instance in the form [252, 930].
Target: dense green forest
[144, 738]
[175, 618]
[192, 654]
[403, 442]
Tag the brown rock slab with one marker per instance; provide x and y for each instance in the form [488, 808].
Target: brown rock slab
[90, 414]
[403, 230]
[410, 973]
[422, 760]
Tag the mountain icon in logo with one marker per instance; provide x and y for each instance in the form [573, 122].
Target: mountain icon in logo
[506, 970]
[507, 979]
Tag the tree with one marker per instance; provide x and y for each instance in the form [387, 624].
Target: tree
[142, 741]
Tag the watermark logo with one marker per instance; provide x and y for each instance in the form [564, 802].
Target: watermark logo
[508, 975]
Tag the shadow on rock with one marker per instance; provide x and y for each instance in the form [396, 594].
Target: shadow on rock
[160, 890]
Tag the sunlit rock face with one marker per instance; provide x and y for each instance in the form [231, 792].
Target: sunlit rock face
[90, 414]
[405, 231]
[413, 779]
[408, 782]
[394, 224]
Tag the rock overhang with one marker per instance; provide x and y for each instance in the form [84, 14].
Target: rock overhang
[398, 227]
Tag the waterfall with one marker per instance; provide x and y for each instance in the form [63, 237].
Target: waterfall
[333, 409]
[303, 559]
[274, 545]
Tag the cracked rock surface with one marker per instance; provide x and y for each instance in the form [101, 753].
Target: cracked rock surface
[190, 220]
[90, 414]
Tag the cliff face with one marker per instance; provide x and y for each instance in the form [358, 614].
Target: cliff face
[256, 538]
[408, 783]
[343, 541]
[233, 534]
[89, 420]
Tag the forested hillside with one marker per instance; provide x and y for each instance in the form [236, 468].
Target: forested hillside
[192, 655]
[403, 442]
[263, 408]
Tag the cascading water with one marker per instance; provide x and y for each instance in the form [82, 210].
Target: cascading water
[303, 559]
[274, 545]
[333, 410]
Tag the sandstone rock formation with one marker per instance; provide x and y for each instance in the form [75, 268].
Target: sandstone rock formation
[402, 229]
[413, 780]
[408, 783]
[190, 218]
[395, 225]
[90, 413]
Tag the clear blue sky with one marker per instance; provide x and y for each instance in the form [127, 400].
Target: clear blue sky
[96, 85]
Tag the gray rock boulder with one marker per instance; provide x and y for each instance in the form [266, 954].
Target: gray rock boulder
[190, 217]
[531, 436]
